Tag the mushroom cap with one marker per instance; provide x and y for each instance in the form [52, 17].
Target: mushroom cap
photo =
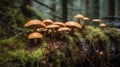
[48, 22]
[96, 20]
[86, 19]
[52, 26]
[73, 24]
[60, 24]
[103, 25]
[64, 29]
[79, 16]
[35, 35]
[35, 23]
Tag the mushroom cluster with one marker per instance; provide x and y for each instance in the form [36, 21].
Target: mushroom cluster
[79, 18]
[96, 22]
[35, 24]
[49, 29]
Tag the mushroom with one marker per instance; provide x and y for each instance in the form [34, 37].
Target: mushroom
[63, 31]
[35, 23]
[86, 19]
[101, 53]
[48, 21]
[59, 23]
[73, 25]
[52, 28]
[78, 17]
[102, 25]
[35, 36]
[96, 22]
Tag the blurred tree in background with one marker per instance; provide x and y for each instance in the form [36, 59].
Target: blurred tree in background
[90, 8]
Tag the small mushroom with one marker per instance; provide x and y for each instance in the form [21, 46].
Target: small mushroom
[96, 22]
[53, 29]
[64, 30]
[35, 36]
[59, 23]
[35, 23]
[78, 17]
[86, 19]
[101, 53]
[73, 25]
[102, 25]
[48, 21]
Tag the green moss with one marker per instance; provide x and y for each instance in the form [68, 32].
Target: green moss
[13, 50]
[14, 15]
[114, 36]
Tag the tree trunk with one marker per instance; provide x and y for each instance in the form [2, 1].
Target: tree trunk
[94, 9]
[86, 7]
[111, 7]
[64, 10]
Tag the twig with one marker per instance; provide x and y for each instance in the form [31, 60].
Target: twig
[115, 56]
[44, 5]
[55, 16]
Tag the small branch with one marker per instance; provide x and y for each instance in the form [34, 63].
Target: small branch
[44, 5]
[55, 16]
[115, 56]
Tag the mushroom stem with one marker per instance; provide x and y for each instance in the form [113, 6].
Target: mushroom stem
[35, 41]
[52, 33]
[47, 32]
[62, 35]
[72, 31]
[84, 25]
[102, 28]
[34, 29]
[96, 24]
[78, 21]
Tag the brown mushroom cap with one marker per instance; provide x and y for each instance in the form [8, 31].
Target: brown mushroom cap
[102, 25]
[60, 24]
[96, 20]
[79, 16]
[86, 19]
[52, 26]
[35, 35]
[35, 23]
[64, 29]
[73, 24]
[48, 22]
